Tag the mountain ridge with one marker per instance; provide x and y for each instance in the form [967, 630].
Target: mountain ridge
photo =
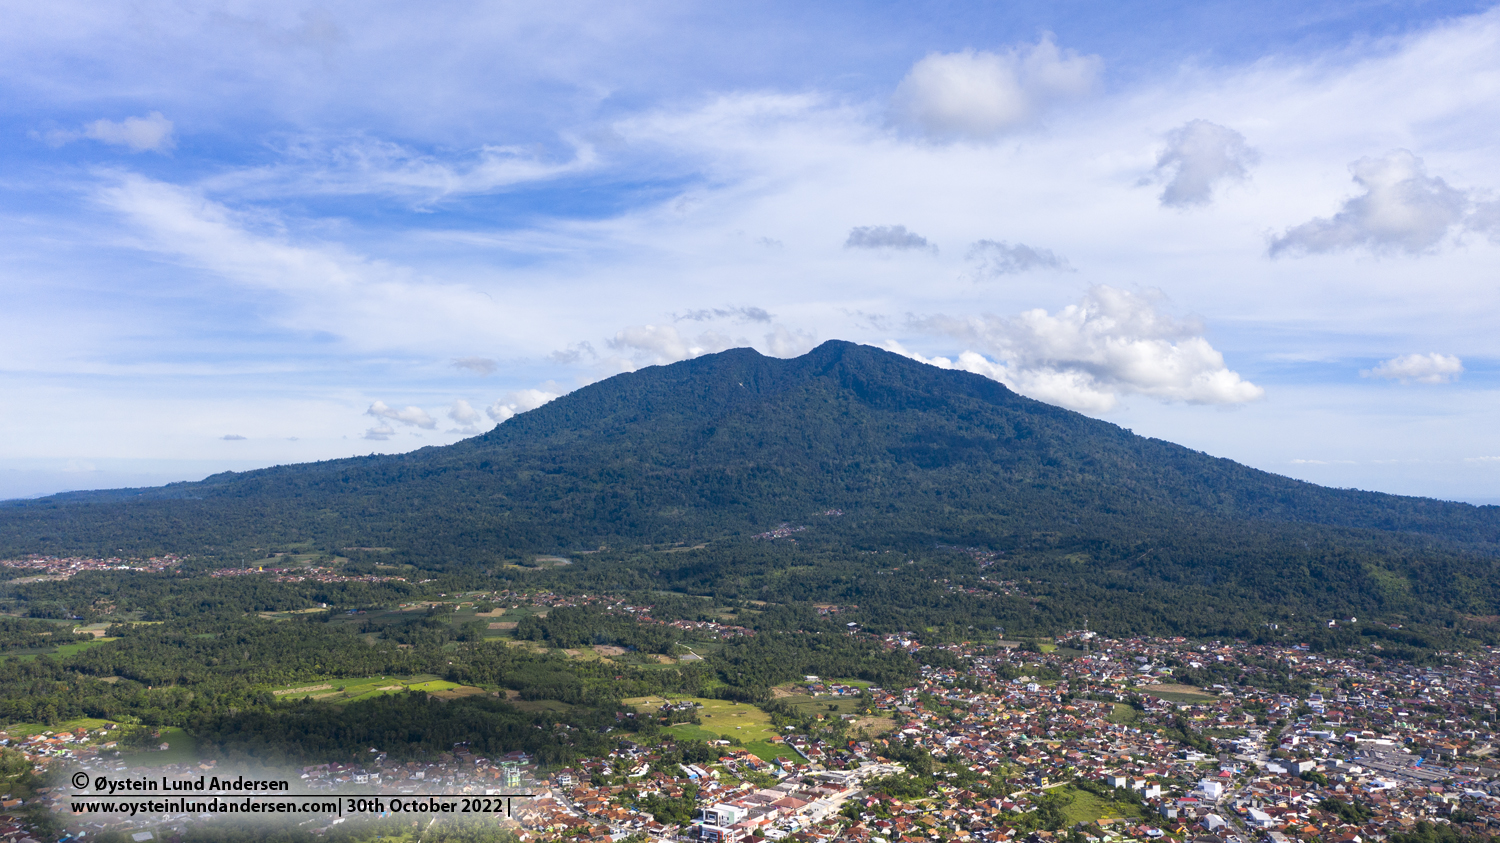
[732, 444]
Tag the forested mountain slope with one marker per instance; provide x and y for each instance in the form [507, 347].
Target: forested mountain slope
[733, 444]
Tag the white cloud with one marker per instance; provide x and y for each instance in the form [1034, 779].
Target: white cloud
[466, 417]
[1418, 368]
[1087, 355]
[482, 366]
[232, 437]
[785, 342]
[379, 433]
[316, 286]
[518, 402]
[365, 165]
[1200, 155]
[152, 133]
[886, 237]
[413, 416]
[1402, 209]
[661, 344]
[981, 95]
[992, 259]
[462, 413]
[740, 314]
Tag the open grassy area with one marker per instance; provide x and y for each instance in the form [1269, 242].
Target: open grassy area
[767, 751]
[721, 719]
[26, 730]
[182, 748]
[74, 649]
[1176, 693]
[1085, 807]
[1123, 715]
[347, 690]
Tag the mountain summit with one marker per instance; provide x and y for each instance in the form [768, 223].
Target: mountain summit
[736, 443]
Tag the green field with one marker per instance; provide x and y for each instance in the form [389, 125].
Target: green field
[1175, 693]
[182, 749]
[26, 730]
[74, 649]
[721, 719]
[767, 751]
[1123, 715]
[348, 690]
[1085, 807]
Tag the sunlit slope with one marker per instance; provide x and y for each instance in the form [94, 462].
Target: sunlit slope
[733, 444]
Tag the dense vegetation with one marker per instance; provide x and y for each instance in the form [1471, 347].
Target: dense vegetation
[874, 455]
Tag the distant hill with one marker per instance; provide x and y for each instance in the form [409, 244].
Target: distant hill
[734, 444]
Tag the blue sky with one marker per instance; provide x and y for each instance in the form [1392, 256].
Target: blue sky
[243, 234]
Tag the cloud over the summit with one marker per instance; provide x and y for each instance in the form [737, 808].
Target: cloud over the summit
[886, 237]
[981, 95]
[1402, 209]
[657, 345]
[414, 416]
[992, 259]
[465, 416]
[1418, 368]
[518, 402]
[1199, 156]
[1087, 355]
[786, 342]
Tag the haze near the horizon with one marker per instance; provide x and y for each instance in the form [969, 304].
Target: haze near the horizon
[243, 234]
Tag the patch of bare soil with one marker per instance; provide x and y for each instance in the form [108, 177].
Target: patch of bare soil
[1175, 689]
[305, 690]
[874, 725]
[504, 624]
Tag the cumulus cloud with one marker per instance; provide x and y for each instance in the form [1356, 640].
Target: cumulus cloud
[1087, 355]
[1200, 155]
[466, 417]
[380, 433]
[574, 353]
[1418, 368]
[1402, 209]
[662, 344]
[152, 133]
[981, 95]
[786, 342]
[515, 403]
[742, 314]
[992, 259]
[413, 416]
[886, 237]
[482, 366]
[232, 437]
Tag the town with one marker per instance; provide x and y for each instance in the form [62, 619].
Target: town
[1085, 738]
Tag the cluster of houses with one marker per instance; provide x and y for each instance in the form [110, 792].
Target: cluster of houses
[63, 567]
[1284, 744]
[309, 573]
